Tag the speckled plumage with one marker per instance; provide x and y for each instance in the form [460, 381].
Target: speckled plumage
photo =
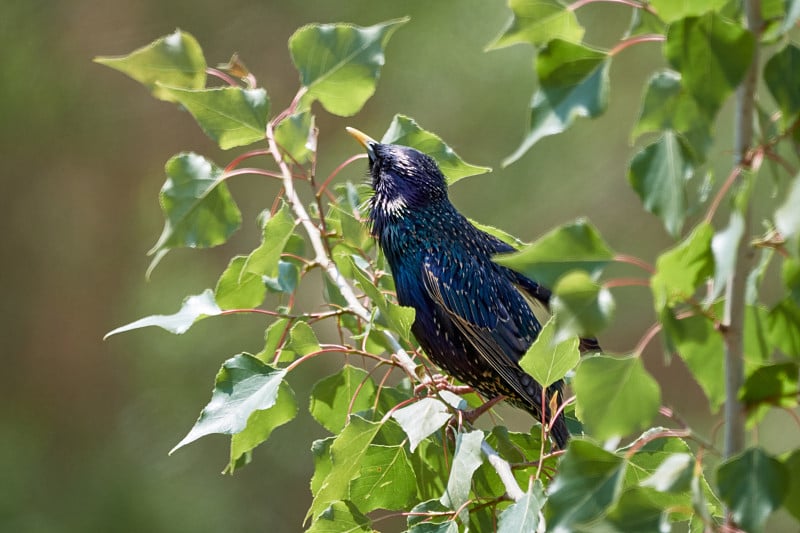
[472, 318]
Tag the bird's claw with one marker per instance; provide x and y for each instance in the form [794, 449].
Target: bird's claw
[440, 382]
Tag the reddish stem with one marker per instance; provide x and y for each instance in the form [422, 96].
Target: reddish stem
[324, 186]
[211, 71]
[626, 282]
[235, 162]
[635, 261]
[649, 38]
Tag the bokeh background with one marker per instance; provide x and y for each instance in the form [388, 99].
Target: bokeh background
[85, 425]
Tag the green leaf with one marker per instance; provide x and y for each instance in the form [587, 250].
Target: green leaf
[194, 308]
[672, 11]
[791, 499]
[260, 426]
[588, 482]
[385, 480]
[237, 291]
[659, 174]
[426, 517]
[580, 306]
[335, 397]
[538, 22]
[421, 419]
[680, 270]
[787, 218]
[615, 395]
[277, 231]
[302, 339]
[790, 272]
[340, 64]
[724, 246]
[548, 361]
[636, 512]
[792, 15]
[273, 337]
[199, 210]
[672, 475]
[243, 385]
[405, 130]
[711, 53]
[176, 60]
[321, 450]
[504, 236]
[340, 517]
[783, 322]
[346, 455]
[523, 515]
[702, 348]
[574, 246]
[644, 22]
[467, 459]
[668, 106]
[294, 135]
[753, 485]
[773, 385]
[287, 279]
[573, 82]
[230, 116]
[782, 76]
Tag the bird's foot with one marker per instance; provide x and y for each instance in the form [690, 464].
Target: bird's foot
[439, 382]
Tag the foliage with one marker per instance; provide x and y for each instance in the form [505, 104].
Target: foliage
[399, 445]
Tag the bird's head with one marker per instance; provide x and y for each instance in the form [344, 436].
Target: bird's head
[404, 179]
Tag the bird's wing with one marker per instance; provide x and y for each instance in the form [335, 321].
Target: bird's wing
[490, 313]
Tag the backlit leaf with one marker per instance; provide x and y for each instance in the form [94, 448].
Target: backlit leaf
[574, 246]
[243, 385]
[340, 64]
[238, 290]
[385, 480]
[681, 269]
[260, 426]
[787, 217]
[588, 482]
[199, 210]
[346, 455]
[659, 174]
[702, 348]
[175, 60]
[548, 361]
[523, 515]
[340, 517]
[636, 512]
[674, 10]
[335, 397]
[193, 309]
[753, 485]
[772, 384]
[277, 231]
[616, 396]
[792, 497]
[231, 116]
[538, 22]
[782, 76]
[668, 106]
[711, 53]
[405, 130]
[294, 133]
[581, 306]
[783, 322]
[573, 82]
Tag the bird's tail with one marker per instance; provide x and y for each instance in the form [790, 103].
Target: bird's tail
[559, 432]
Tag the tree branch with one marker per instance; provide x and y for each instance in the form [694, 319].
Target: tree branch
[733, 319]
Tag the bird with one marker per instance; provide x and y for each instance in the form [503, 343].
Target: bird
[474, 317]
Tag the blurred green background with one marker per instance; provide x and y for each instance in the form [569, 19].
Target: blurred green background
[85, 425]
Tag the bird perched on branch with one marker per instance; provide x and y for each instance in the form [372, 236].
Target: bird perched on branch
[473, 318]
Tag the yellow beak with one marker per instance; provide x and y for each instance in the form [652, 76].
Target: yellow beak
[365, 140]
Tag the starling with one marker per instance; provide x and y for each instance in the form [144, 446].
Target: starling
[473, 316]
